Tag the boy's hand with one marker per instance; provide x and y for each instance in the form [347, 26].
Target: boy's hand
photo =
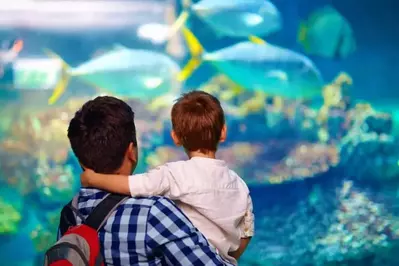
[86, 176]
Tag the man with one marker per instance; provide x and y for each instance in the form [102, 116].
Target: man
[142, 231]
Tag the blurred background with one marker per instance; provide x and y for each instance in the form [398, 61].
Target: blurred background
[310, 89]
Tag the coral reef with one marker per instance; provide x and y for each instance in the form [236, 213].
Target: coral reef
[55, 184]
[310, 160]
[16, 170]
[331, 226]
[361, 226]
[42, 238]
[238, 155]
[335, 95]
[9, 218]
[289, 227]
[368, 151]
[301, 143]
[35, 138]
[303, 161]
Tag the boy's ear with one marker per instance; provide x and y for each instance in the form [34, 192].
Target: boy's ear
[175, 138]
[223, 134]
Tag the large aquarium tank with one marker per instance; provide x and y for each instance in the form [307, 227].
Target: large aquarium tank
[310, 89]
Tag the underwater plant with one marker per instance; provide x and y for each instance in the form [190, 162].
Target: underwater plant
[9, 218]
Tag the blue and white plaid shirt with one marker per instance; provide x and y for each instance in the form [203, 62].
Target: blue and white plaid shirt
[149, 231]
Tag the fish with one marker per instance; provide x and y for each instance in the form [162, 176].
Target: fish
[327, 34]
[123, 72]
[256, 65]
[36, 73]
[234, 18]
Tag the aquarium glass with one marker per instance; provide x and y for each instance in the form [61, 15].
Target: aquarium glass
[310, 94]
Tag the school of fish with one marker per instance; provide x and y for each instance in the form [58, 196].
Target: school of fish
[252, 64]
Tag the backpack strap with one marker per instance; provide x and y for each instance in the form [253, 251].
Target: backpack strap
[103, 210]
[68, 215]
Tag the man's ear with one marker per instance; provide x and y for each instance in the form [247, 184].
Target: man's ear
[175, 139]
[83, 167]
[223, 134]
[132, 153]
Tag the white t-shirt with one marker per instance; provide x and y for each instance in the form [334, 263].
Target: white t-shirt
[215, 198]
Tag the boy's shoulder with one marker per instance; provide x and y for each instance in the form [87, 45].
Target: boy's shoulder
[239, 179]
[174, 164]
[235, 174]
[206, 163]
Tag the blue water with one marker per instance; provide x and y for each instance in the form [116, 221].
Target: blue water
[337, 203]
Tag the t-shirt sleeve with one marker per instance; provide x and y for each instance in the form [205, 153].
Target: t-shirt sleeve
[247, 225]
[156, 182]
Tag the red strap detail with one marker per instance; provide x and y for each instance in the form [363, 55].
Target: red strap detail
[91, 236]
[61, 263]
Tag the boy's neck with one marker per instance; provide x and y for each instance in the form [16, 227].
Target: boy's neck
[210, 154]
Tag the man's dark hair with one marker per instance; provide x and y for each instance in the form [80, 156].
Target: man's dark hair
[100, 133]
[198, 120]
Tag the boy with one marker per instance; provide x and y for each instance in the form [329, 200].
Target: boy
[214, 197]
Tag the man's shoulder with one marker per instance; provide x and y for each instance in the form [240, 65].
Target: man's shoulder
[89, 198]
[142, 202]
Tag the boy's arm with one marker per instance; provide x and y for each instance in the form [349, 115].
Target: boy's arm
[112, 183]
[155, 182]
[243, 245]
[247, 228]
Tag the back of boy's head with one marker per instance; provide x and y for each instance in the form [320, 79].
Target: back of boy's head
[198, 121]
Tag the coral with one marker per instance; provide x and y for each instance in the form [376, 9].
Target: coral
[334, 96]
[222, 87]
[42, 132]
[16, 170]
[361, 226]
[336, 126]
[35, 135]
[9, 218]
[238, 154]
[37, 142]
[53, 219]
[288, 227]
[337, 223]
[42, 238]
[271, 140]
[55, 183]
[368, 151]
[332, 114]
[300, 161]
[163, 155]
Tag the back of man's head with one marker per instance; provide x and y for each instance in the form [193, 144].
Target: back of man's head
[100, 134]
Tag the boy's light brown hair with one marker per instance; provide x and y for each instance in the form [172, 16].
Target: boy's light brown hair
[198, 121]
